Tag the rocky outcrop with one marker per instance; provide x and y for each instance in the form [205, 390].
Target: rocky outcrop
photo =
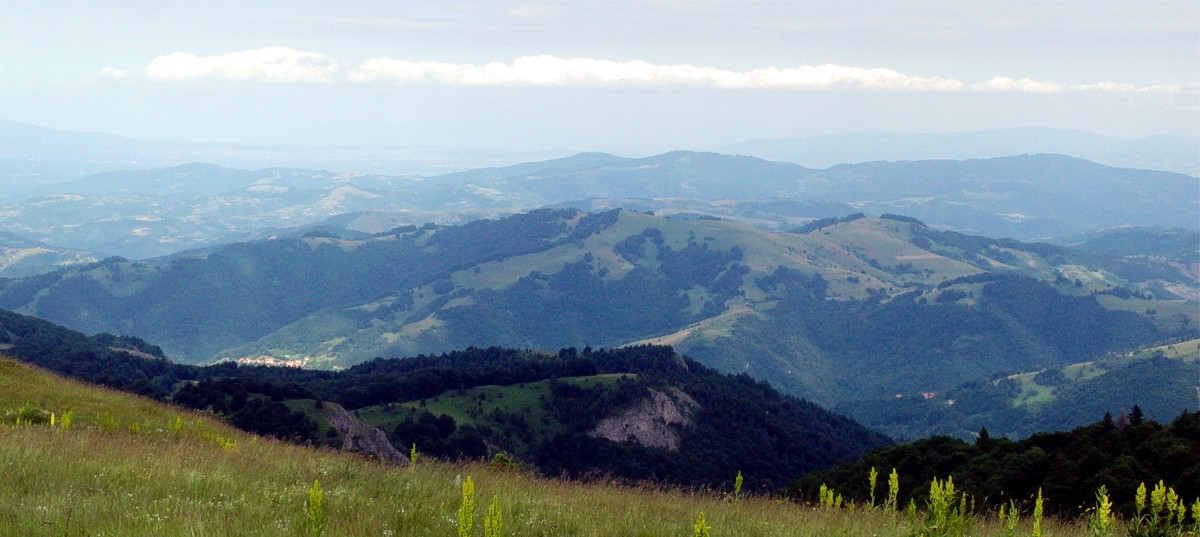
[657, 421]
[362, 437]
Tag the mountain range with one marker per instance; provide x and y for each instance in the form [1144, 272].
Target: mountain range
[51, 154]
[748, 265]
[147, 213]
[1162, 152]
[927, 310]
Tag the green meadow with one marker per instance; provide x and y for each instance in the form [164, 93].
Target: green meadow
[77, 459]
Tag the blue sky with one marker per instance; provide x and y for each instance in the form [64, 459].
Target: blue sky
[626, 77]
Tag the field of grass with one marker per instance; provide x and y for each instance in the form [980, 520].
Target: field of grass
[1184, 350]
[1030, 392]
[1169, 315]
[179, 473]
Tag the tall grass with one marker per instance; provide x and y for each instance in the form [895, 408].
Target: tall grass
[98, 478]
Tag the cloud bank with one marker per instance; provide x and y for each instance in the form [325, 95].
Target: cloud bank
[555, 71]
[272, 64]
[280, 64]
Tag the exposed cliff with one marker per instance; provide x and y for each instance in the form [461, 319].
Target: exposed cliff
[362, 437]
[656, 421]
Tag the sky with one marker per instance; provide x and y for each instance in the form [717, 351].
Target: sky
[627, 77]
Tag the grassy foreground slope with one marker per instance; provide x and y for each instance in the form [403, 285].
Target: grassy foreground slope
[129, 466]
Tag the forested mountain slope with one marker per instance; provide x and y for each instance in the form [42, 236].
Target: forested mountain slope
[923, 309]
[637, 413]
[1162, 380]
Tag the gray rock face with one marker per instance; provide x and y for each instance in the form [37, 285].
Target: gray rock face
[656, 421]
[362, 437]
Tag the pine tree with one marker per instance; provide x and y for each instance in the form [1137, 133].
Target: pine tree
[1135, 416]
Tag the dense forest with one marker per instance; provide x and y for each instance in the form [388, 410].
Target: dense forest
[1119, 453]
[742, 425]
[1005, 324]
[1052, 399]
[739, 425]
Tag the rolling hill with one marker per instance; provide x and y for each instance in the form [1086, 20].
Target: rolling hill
[20, 256]
[144, 213]
[926, 310]
[635, 414]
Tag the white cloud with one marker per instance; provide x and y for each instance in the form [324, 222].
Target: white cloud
[1119, 87]
[1022, 85]
[281, 64]
[113, 73]
[1026, 85]
[554, 71]
[272, 64]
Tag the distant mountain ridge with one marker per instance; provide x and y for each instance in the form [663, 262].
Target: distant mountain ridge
[1159, 152]
[147, 213]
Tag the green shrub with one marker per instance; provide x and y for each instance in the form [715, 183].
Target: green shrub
[27, 414]
[947, 512]
[504, 463]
